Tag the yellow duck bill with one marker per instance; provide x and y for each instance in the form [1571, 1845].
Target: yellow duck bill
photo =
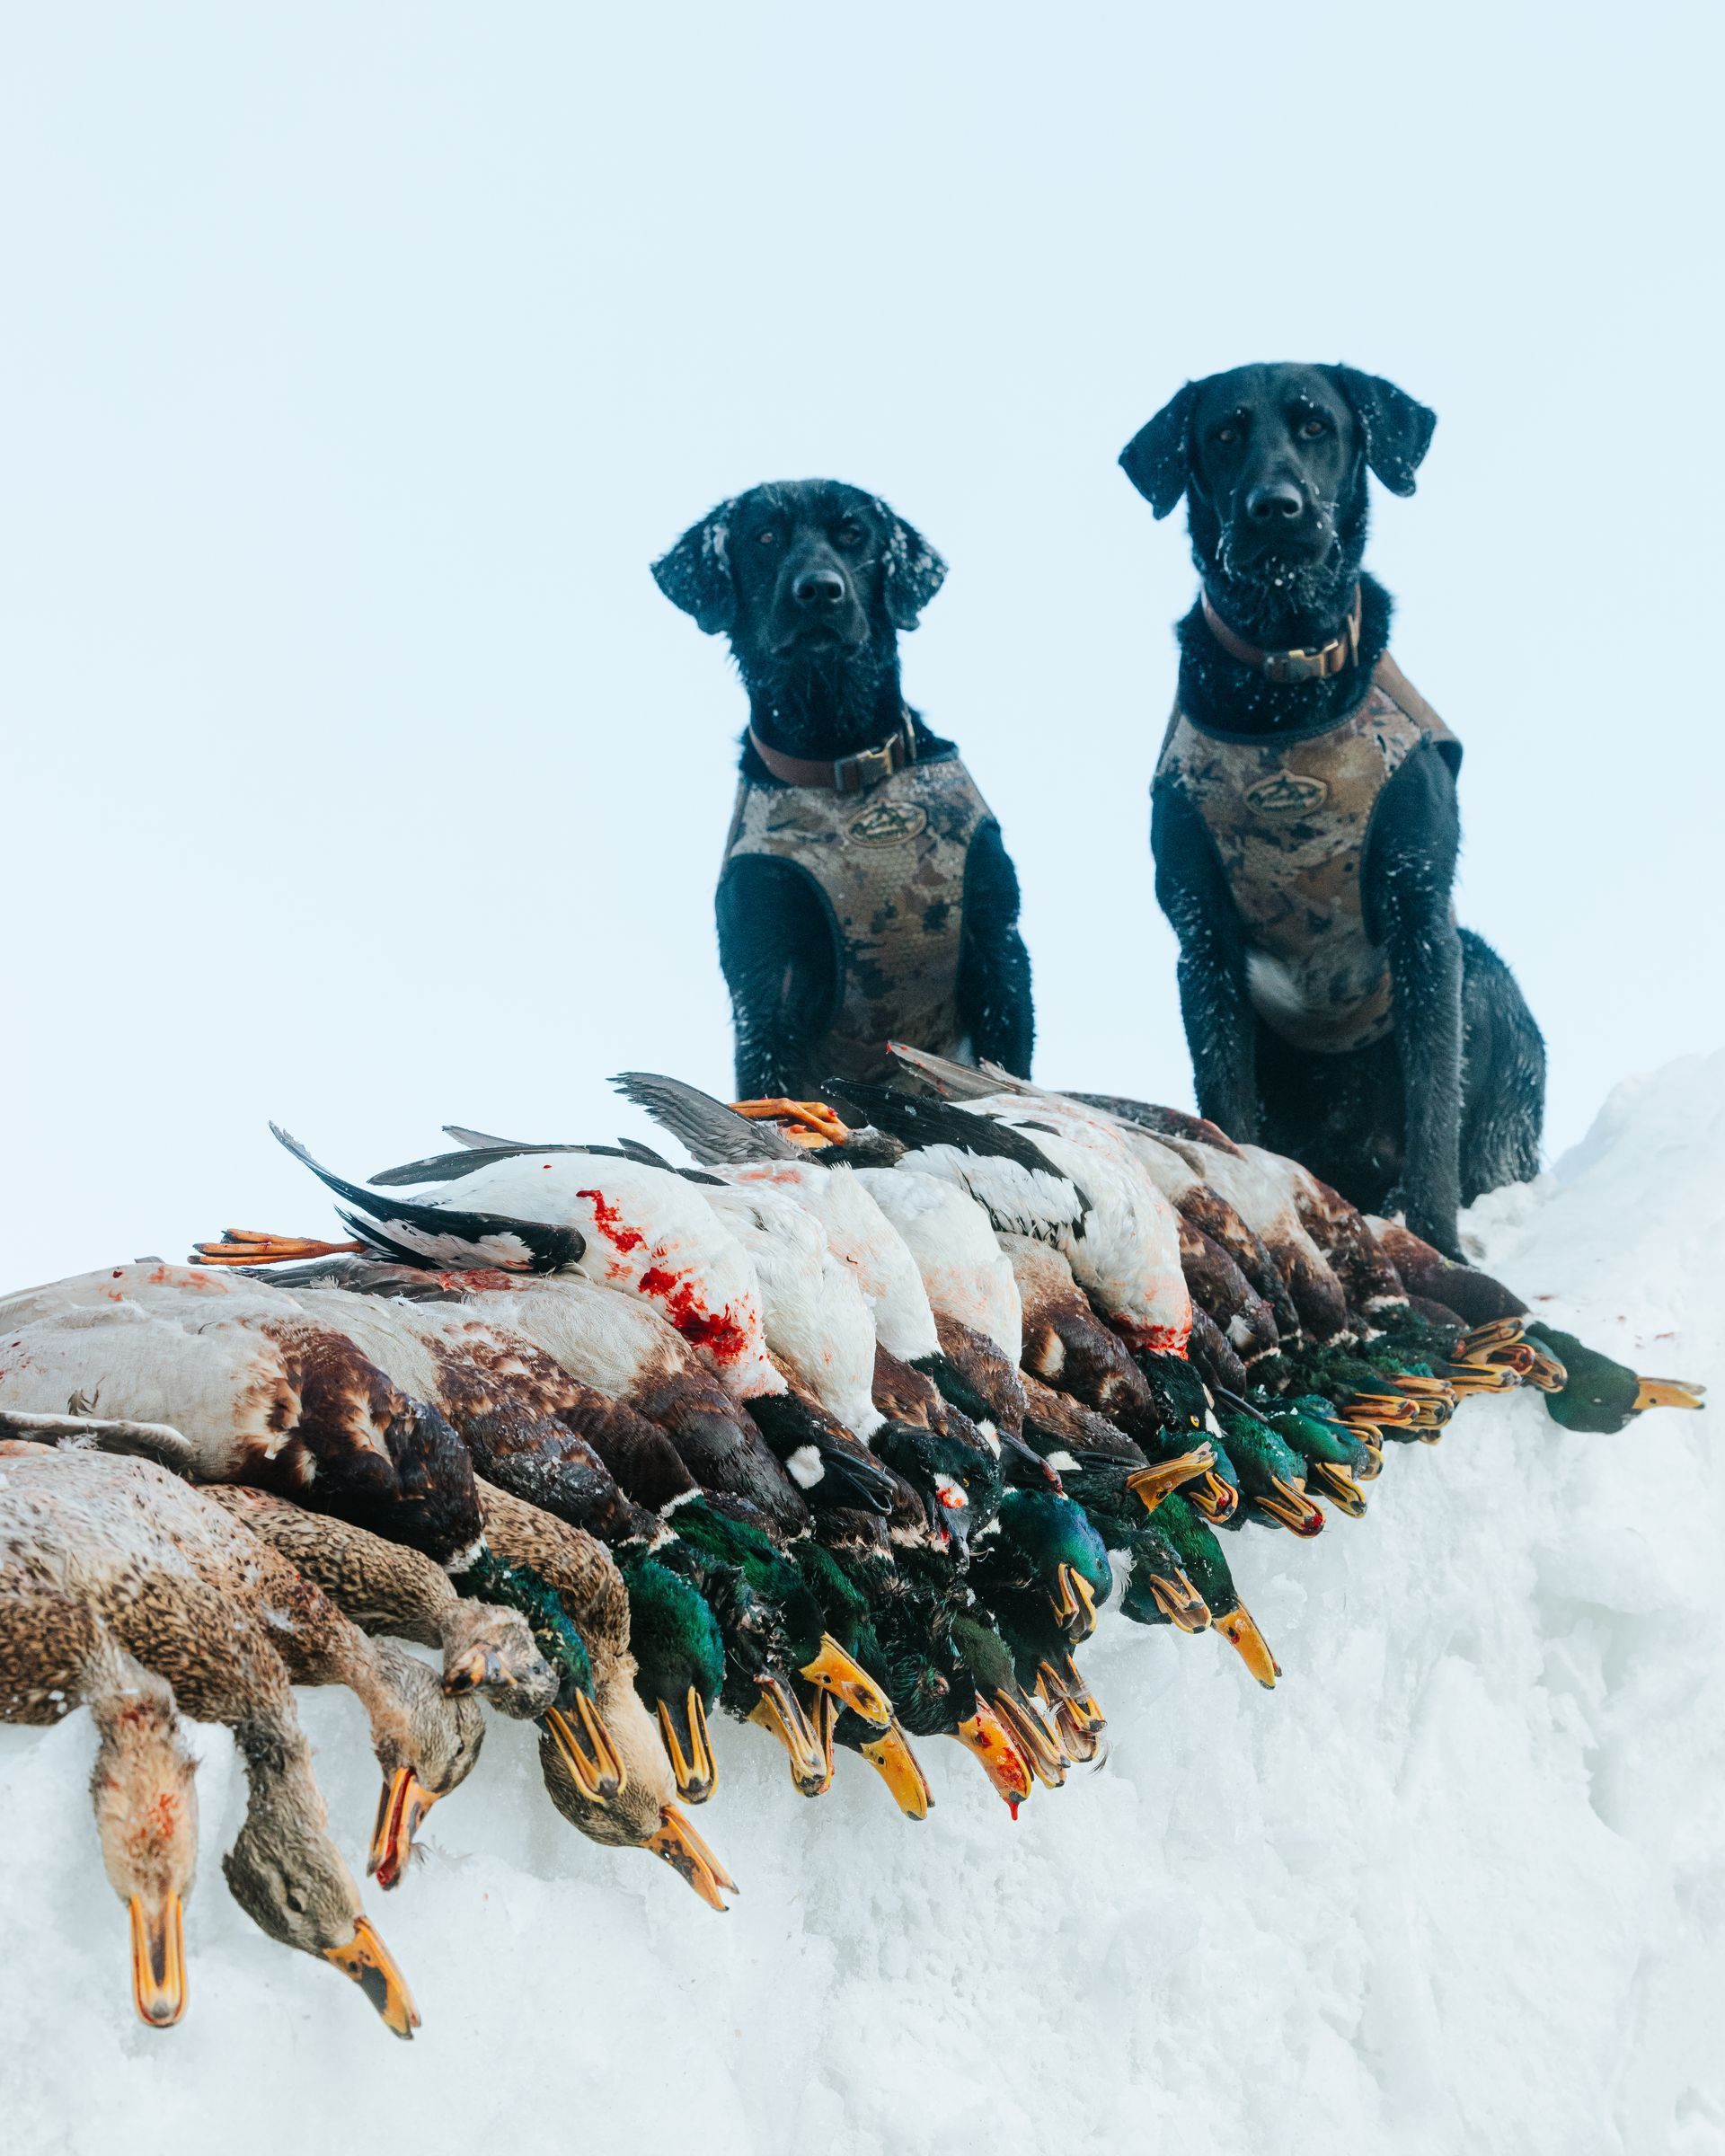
[1043, 1753]
[689, 1856]
[1289, 1506]
[158, 1960]
[1336, 1484]
[596, 1765]
[367, 1960]
[1242, 1634]
[892, 1759]
[1667, 1393]
[1179, 1602]
[1151, 1485]
[697, 1771]
[780, 1710]
[400, 1811]
[1074, 1605]
[835, 1672]
[1216, 1498]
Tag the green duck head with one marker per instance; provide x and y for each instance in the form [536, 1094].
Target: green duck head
[1600, 1395]
[1272, 1475]
[679, 1668]
[1047, 1545]
[961, 1485]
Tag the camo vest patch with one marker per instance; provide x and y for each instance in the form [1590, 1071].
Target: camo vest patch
[1289, 817]
[889, 865]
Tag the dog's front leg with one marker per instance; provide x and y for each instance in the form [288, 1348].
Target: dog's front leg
[994, 989]
[1221, 1029]
[776, 952]
[1411, 869]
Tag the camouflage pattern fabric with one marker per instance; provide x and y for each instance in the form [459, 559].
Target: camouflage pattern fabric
[1289, 817]
[889, 864]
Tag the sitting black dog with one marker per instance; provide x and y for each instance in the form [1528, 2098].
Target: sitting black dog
[1304, 820]
[866, 895]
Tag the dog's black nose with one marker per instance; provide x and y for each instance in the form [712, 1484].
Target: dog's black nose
[818, 587]
[1280, 503]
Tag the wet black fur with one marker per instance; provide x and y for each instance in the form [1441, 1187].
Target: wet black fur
[823, 683]
[1452, 1103]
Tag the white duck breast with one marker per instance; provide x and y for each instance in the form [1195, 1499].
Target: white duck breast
[224, 1387]
[818, 1319]
[965, 1273]
[1126, 1251]
[647, 1233]
[859, 1233]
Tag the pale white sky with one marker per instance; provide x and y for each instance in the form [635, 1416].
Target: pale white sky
[359, 359]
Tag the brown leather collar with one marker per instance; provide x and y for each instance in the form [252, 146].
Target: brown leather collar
[1289, 665]
[849, 774]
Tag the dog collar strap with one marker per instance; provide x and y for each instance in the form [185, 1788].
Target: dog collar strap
[849, 774]
[1314, 664]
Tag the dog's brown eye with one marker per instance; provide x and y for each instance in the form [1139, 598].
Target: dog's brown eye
[766, 538]
[1312, 428]
[1227, 434]
[848, 535]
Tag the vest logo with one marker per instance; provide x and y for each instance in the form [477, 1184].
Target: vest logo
[890, 824]
[1287, 794]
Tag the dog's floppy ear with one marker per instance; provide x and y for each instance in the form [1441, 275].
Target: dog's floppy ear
[1157, 460]
[1397, 429]
[912, 572]
[696, 574]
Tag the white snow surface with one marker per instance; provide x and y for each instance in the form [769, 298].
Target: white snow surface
[1455, 1884]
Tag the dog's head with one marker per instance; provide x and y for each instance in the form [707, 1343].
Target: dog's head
[811, 580]
[1272, 463]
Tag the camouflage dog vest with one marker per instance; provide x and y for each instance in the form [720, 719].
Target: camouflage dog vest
[888, 866]
[1289, 816]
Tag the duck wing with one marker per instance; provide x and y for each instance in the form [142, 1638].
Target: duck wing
[444, 1237]
[704, 1127]
[1002, 1167]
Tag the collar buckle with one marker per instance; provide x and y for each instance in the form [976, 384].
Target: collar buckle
[870, 766]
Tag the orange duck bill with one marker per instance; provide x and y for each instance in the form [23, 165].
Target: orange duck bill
[400, 1811]
[1074, 1605]
[696, 1769]
[1242, 1634]
[589, 1752]
[1667, 1393]
[1289, 1506]
[1041, 1748]
[1077, 1716]
[808, 1123]
[892, 1759]
[1151, 1485]
[1002, 1761]
[158, 1960]
[836, 1673]
[780, 1710]
[689, 1856]
[367, 1961]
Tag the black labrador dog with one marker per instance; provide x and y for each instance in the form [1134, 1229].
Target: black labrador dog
[866, 894]
[1304, 820]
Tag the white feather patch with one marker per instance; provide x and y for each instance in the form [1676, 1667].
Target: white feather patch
[805, 1466]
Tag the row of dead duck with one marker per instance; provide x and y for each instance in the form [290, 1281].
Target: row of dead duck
[839, 1430]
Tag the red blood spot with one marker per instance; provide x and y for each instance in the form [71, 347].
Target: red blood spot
[717, 1331]
[609, 1222]
[1012, 1805]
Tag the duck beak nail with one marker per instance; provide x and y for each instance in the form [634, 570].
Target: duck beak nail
[1000, 1758]
[1151, 1485]
[400, 1811]
[1242, 1634]
[892, 1759]
[158, 1960]
[696, 1772]
[689, 1856]
[835, 1672]
[1666, 1392]
[367, 1960]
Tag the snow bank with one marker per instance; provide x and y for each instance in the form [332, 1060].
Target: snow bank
[1455, 1884]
